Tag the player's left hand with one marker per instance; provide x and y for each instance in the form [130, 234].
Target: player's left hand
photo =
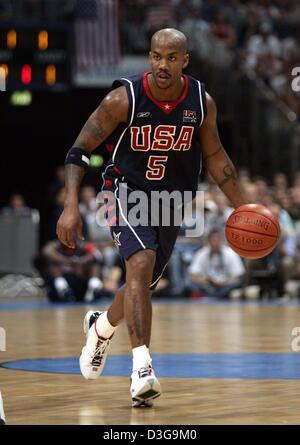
[69, 227]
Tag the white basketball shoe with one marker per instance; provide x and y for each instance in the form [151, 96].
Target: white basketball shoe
[94, 353]
[144, 386]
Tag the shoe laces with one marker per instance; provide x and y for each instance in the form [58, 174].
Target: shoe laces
[145, 372]
[99, 351]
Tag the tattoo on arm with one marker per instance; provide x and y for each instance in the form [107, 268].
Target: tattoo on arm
[229, 175]
[93, 128]
[212, 140]
[213, 154]
[94, 131]
[74, 175]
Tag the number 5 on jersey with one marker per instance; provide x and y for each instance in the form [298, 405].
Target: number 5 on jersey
[156, 167]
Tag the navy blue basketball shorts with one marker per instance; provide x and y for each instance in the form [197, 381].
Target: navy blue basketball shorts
[131, 238]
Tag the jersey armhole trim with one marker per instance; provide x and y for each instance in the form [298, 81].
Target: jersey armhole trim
[202, 100]
[131, 117]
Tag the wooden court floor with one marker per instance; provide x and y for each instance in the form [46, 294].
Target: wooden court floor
[218, 366]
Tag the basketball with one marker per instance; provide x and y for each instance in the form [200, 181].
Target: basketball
[252, 231]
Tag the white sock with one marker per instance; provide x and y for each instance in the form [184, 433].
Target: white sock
[61, 285]
[95, 283]
[103, 327]
[141, 357]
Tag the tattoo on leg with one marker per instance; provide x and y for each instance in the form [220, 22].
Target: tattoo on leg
[130, 330]
[136, 314]
[229, 175]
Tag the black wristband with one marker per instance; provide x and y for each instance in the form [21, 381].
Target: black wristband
[78, 156]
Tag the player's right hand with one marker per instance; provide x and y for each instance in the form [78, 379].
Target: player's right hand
[69, 227]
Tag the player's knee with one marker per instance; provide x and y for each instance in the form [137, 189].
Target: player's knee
[141, 264]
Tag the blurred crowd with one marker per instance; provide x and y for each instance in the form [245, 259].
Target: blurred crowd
[261, 35]
[199, 266]
[29, 11]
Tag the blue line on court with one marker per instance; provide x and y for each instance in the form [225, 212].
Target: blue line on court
[214, 365]
[15, 306]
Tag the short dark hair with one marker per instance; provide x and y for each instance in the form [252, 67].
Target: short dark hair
[213, 231]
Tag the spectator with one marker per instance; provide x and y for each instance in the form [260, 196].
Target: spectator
[236, 12]
[97, 227]
[291, 44]
[287, 94]
[295, 197]
[263, 35]
[198, 32]
[159, 14]
[286, 204]
[267, 66]
[287, 246]
[184, 249]
[250, 26]
[223, 31]
[16, 206]
[280, 181]
[251, 192]
[287, 225]
[272, 272]
[215, 269]
[55, 214]
[262, 187]
[210, 9]
[263, 44]
[267, 199]
[88, 208]
[116, 277]
[133, 26]
[293, 284]
[210, 209]
[267, 273]
[70, 274]
[244, 175]
[217, 219]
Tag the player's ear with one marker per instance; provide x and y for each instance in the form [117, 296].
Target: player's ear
[186, 59]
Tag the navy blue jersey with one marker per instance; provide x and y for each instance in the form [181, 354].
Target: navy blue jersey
[158, 147]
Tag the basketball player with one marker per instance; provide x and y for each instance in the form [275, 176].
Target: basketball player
[160, 125]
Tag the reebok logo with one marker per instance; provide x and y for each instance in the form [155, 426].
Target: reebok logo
[143, 114]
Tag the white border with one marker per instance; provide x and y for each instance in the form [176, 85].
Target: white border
[131, 228]
[201, 103]
[131, 119]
